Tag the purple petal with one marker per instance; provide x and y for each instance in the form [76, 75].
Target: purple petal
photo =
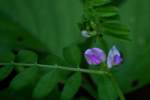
[94, 56]
[117, 60]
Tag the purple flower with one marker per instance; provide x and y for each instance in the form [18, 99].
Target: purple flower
[94, 56]
[114, 57]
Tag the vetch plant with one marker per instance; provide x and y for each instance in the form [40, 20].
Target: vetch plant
[52, 47]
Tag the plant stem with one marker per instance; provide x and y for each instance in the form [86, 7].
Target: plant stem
[60, 67]
[117, 87]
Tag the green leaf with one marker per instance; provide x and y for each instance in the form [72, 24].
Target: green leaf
[51, 59]
[108, 11]
[24, 78]
[106, 89]
[13, 36]
[5, 71]
[46, 84]
[49, 21]
[26, 56]
[117, 31]
[71, 86]
[6, 55]
[97, 2]
[116, 26]
[72, 55]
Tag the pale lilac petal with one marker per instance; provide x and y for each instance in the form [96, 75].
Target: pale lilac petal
[115, 51]
[114, 57]
[110, 59]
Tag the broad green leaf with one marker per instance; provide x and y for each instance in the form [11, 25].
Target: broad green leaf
[72, 55]
[26, 56]
[72, 85]
[7, 24]
[24, 78]
[5, 71]
[46, 84]
[49, 21]
[14, 37]
[106, 89]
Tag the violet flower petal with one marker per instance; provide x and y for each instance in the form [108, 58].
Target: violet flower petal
[94, 56]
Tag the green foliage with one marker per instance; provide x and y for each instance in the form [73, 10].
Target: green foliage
[107, 11]
[89, 88]
[72, 85]
[116, 29]
[72, 55]
[44, 31]
[46, 84]
[97, 2]
[51, 59]
[5, 71]
[136, 66]
[49, 21]
[26, 56]
[97, 16]
[106, 89]
[6, 55]
[25, 78]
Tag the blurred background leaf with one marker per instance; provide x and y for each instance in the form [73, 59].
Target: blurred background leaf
[50, 21]
[134, 73]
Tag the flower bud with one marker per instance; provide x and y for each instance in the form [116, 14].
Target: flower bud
[85, 34]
